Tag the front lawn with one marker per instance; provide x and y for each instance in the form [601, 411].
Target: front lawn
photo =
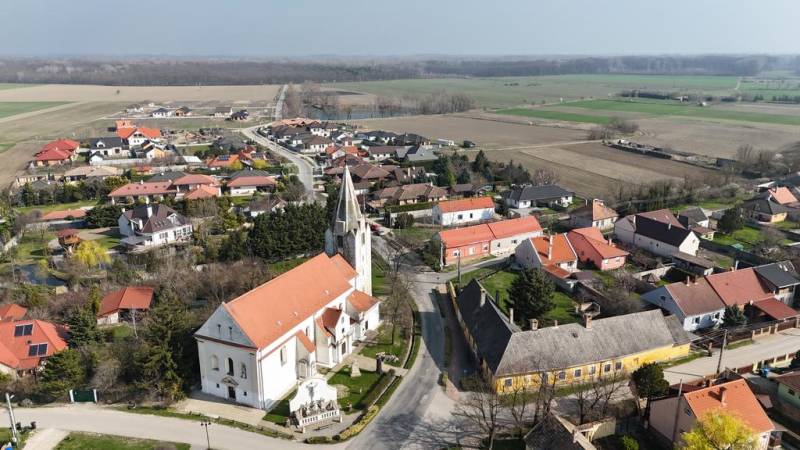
[380, 285]
[86, 441]
[280, 412]
[57, 206]
[359, 387]
[384, 343]
[414, 236]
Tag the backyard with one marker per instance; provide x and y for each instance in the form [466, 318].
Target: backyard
[746, 238]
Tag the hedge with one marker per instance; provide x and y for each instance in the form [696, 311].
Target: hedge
[384, 381]
[359, 426]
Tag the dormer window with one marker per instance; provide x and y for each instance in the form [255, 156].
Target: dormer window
[37, 350]
[23, 330]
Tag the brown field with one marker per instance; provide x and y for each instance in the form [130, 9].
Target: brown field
[67, 121]
[92, 93]
[15, 160]
[486, 133]
[718, 139]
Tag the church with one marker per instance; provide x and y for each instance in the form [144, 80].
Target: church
[256, 348]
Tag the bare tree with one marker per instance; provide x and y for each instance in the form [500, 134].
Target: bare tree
[544, 176]
[519, 403]
[481, 409]
[594, 396]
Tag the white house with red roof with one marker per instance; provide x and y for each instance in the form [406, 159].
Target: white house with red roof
[487, 239]
[135, 136]
[554, 254]
[464, 211]
[258, 347]
[60, 151]
[124, 304]
[25, 344]
[248, 182]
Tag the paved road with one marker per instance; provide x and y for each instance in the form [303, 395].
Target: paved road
[95, 419]
[305, 166]
[779, 344]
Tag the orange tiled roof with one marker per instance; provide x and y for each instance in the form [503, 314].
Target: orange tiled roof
[62, 144]
[305, 341]
[217, 162]
[597, 210]
[144, 188]
[361, 301]
[16, 348]
[269, 311]
[466, 204]
[53, 154]
[457, 237]
[196, 178]
[126, 131]
[561, 251]
[64, 213]
[202, 192]
[739, 401]
[514, 227]
[738, 287]
[595, 239]
[252, 181]
[783, 195]
[12, 311]
[131, 297]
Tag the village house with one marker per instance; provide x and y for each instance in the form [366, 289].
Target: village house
[11, 312]
[223, 162]
[591, 247]
[658, 232]
[764, 209]
[462, 212]
[161, 113]
[410, 194]
[553, 254]
[26, 344]
[520, 197]
[183, 111]
[153, 225]
[107, 146]
[64, 216]
[512, 359]
[248, 182]
[223, 111]
[193, 181]
[381, 152]
[595, 214]
[256, 348]
[124, 304]
[671, 417]
[337, 151]
[146, 191]
[416, 154]
[696, 220]
[263, 205]
[58, 152]
[135, 136]
[487, 239]
[82, 173]
[314, 144]
[789, 388]
[783, 196]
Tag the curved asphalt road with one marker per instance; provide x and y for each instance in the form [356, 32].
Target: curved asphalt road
[305, 166]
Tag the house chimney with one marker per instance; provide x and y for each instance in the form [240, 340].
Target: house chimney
[555, 324]
[550, 247]
[688, 280]
[534, 324]
[723, 394]
[587, 321]
[511, 315]
[149, 210]
[483, 297]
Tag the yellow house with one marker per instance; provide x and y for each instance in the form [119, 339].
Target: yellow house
[513, 359]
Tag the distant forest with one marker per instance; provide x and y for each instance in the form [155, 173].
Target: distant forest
[163, 71]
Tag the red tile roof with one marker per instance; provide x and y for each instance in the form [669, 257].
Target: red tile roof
[361, 301]
[62, 144]
[271, 310]
[202, 192]
[514, 227]
[738, 400]
[126, 131]
[663, 216]
[330, 318]
[464, 236]
[65, 214]
[217, 162]
[466, 204]
[15, 349]
[739, 287]
[776, 309]
[143, 188]
[695, 298]
[67, 232]
[305, 341]
[195, 178]
[597, 210]
[595, 239]
[783, 195]
[59, 150]
[252, 181]
[12, 311]
[131, 297]
[561, 250]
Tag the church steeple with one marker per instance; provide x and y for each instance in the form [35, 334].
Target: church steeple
[349, 234]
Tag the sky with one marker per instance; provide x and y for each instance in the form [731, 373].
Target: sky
[294, 28]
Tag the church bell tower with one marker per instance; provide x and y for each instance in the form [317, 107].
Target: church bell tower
[350, 236]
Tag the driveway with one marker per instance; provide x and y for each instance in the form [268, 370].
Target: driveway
[776, 345]
[96, 419]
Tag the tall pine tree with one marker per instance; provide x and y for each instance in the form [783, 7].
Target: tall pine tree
[531, 294]
[83, 321]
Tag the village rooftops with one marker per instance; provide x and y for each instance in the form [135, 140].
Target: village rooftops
[554, 249]
[93, 171]
[251, 178]
[663, 231]
[466, 204]
[155, 217]
[538, 193]
[201, 192]
[782, 195]
[695, 297]
[596, 210]
[739, 287]
[594, 238]
[12, 311]
[131, 297]
[195, 178]
[764, 206]
[64, 214]
[23, 343]
[734, 397]
[779, 274]
[105, 142]
[143, 188]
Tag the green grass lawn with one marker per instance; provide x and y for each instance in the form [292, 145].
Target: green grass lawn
[14, 108]
[280, 412]
[280, 267]
[32, 246]
[380, 284]
[564, 307]
[550, 114]
[85, 441]
[384, 343]
[669, 108]
[109, 242]
[748, 237]
[57, 206]
[415, 236]
[359, 387]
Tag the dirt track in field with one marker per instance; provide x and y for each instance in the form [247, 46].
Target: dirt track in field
[94, 93]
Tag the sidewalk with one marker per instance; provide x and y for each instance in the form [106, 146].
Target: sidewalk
[45, 439]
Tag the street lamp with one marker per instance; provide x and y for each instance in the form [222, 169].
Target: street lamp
[205, 423]
[11, 418]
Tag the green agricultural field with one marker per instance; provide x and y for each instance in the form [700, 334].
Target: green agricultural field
[13, 108]
[4, 86]
[549, 114]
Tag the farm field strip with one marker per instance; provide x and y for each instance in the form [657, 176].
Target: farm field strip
[542, 113]
[95, 93]
[9, 109]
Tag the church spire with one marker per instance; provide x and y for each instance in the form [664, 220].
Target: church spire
[348, 212]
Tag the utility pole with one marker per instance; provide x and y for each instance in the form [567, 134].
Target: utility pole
[14, 437]
[459, 269]
[721, 350]
[133, 317]
[205, 423]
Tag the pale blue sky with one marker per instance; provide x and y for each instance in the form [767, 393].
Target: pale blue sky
[401, 27]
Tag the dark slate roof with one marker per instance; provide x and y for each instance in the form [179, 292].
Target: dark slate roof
[660, 231]
[110, 142]
[161, 218]
[486, 324]
[550, 192]
[693, 215]
[167, 176]
[554, 348]
[250, 173]
[764, 205]
[779, 274]
[555, 433]
[463, 188]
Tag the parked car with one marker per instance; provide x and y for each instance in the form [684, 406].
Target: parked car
[468, 144]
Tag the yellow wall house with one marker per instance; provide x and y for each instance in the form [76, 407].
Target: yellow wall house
[512, 359]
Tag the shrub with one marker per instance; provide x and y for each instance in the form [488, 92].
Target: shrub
[359, 425]
[627, 442]
[384, 381]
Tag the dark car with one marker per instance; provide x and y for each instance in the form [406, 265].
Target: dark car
[468, 144]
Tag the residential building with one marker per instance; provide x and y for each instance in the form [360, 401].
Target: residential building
[223, 162]
[107, 146]
[91, 172]
[595, 214]
[152, 225]
[591, 247]
[789, 388]
[694, 303]
[658, 232]
[183, 111]
[488, 239]
[410, 194]
[464, 211]
[763, 209]
[696, 220]
[257, 348]
[521, 197]
[417, 154]
[248, 182]
[147, 191]
[693, 265]
[781, 279]
[223, 111]
[381, 152]
[553, 254]
[556, 433]
[135, 136]
[263, 205]
[12, 312]
[26, 344]
[58, 152]
[783, 196]
[190, 182]
[314, 144]
[124, 304]
[64, 215]
[512, 359]
[161, 113]
[673, 416]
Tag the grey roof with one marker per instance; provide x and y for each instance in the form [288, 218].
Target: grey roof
[110, 142]
[161, 110]
[556, 433]
[660, 231]
[488, 326]
[696, 260]
[420, 154]
[779, 274]
[693, 215]
[554, 348]
[158, 218]
[764, 205]
[250, 173]
[348, 212]
[463, 188]
[382, 150]
[549, 192]
[171, 175]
